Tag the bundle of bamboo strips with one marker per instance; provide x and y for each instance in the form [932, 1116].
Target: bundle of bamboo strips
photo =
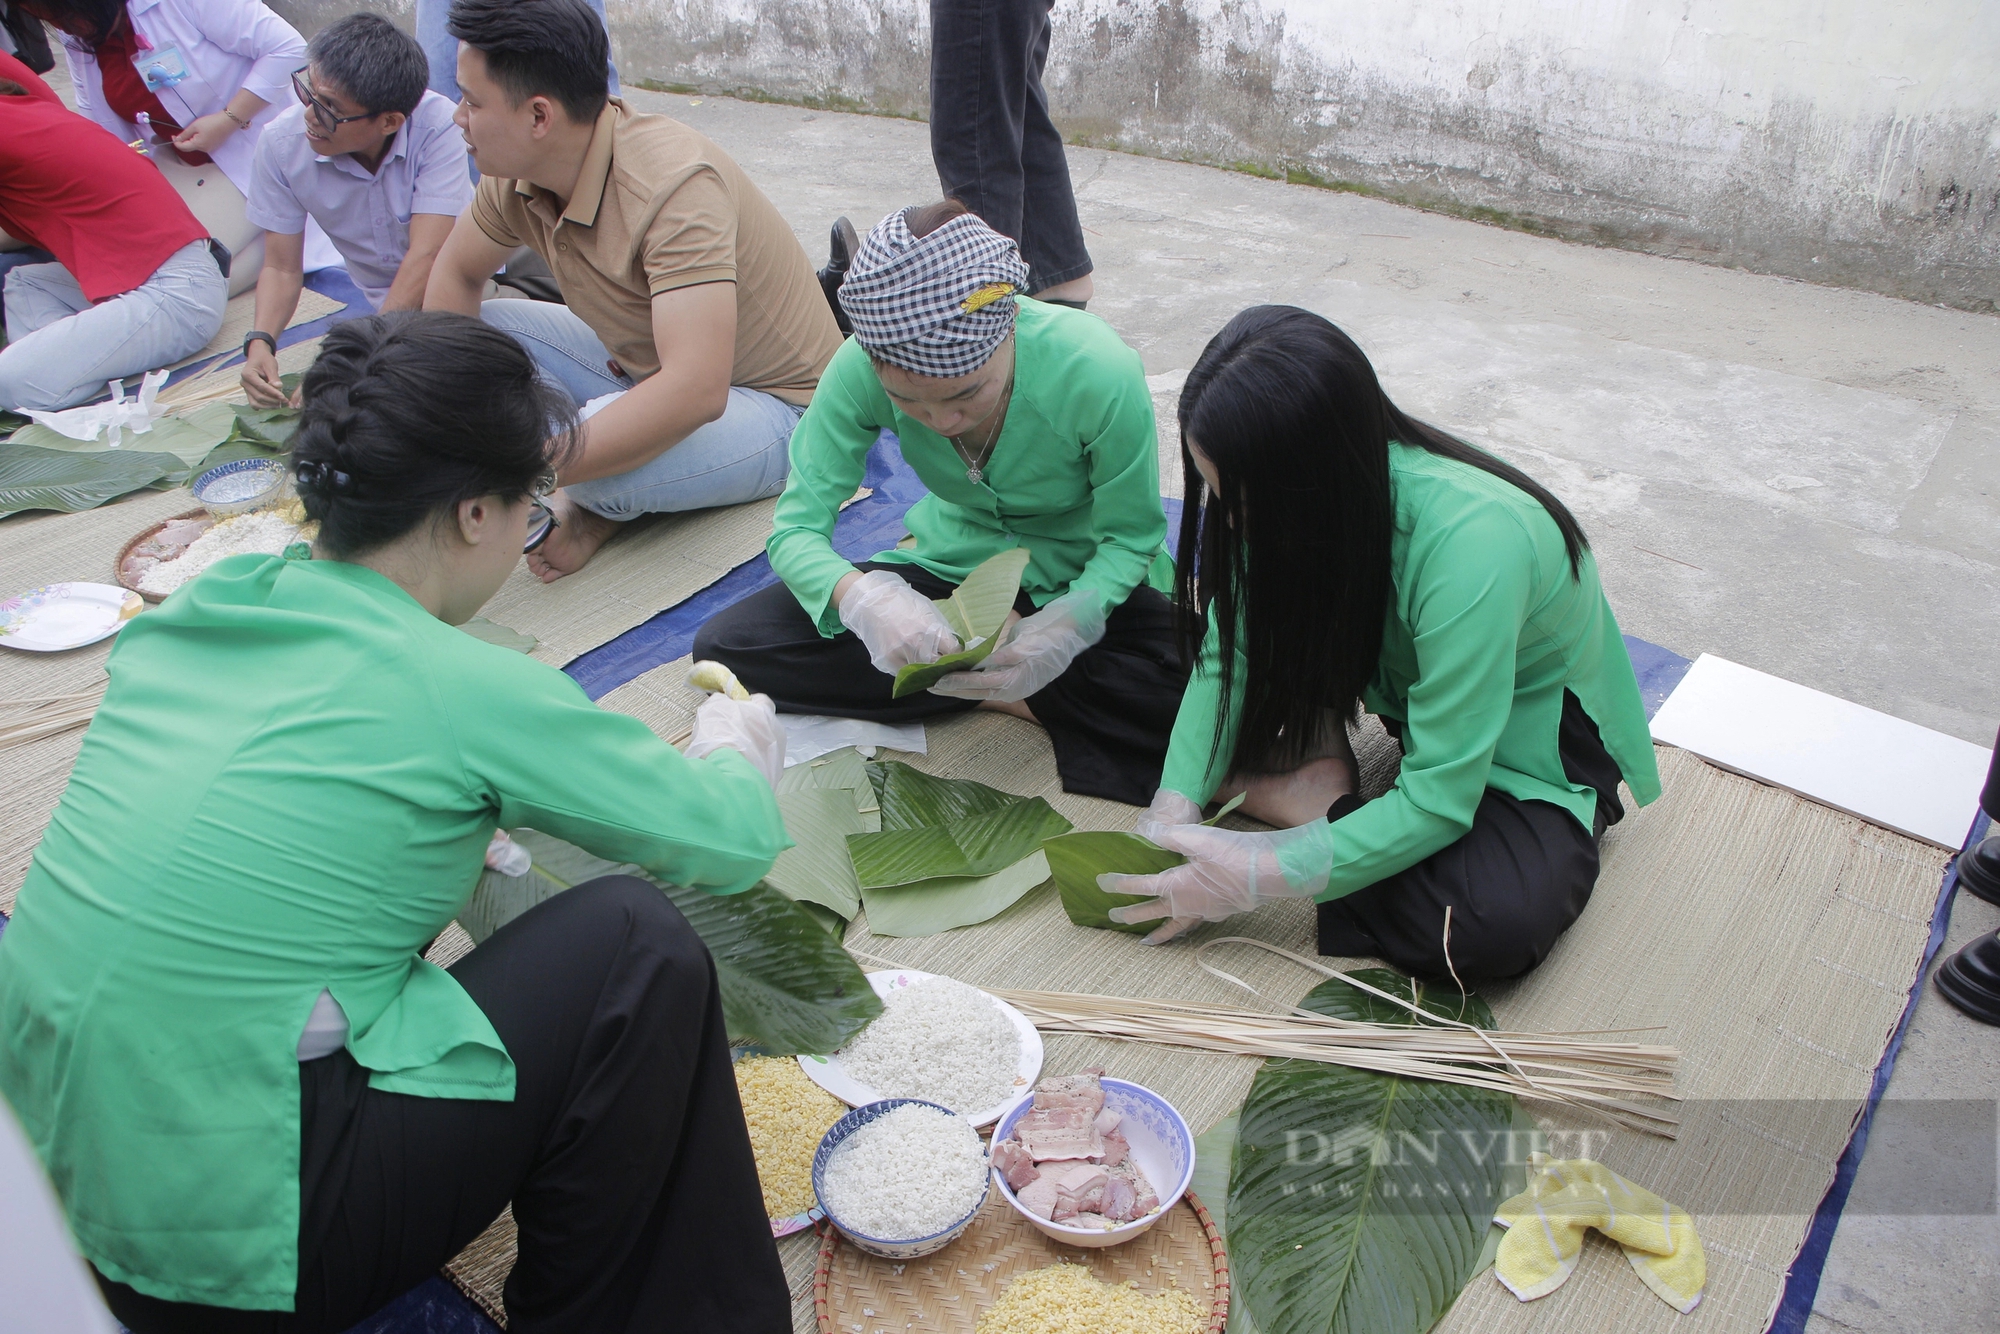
[25, 720]
[1580, 1070]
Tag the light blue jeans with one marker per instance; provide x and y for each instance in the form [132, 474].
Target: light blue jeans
[741, 455]
[441, 48]
[62, 350]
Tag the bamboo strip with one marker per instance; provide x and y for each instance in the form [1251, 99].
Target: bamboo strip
[25, 720]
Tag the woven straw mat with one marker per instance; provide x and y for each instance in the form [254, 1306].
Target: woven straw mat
[1773, 940]
[946, 1292]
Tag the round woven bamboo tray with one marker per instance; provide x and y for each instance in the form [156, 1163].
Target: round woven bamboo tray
[118, 563]
[945, 1293]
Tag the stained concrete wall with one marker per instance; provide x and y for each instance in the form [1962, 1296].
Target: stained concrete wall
[1852, 142]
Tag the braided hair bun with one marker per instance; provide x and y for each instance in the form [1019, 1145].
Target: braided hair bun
[409, 413]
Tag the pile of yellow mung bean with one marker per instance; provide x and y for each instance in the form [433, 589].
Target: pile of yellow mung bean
[788, 1116]
[1069, 1298]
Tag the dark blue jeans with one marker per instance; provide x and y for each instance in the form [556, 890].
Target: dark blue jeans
[996, 149]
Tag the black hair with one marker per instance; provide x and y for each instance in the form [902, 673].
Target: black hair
[554, 47]
[409, 413]
[1289, 413]
[372, 62]
[91, 21]
[923, 219]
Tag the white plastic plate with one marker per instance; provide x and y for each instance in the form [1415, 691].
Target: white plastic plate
[59, 616]
[827, 1072]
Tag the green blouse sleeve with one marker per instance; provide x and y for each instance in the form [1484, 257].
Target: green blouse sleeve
[1196, 765]
[1126, 516]
[603, 781]
[829, 457]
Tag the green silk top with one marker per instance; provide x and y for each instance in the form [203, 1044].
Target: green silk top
[1074, 477]
[290, 786]
[1485, 630]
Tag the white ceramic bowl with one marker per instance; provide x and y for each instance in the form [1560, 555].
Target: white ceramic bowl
[1162, 1146]
[887, 1247]
[239, 487]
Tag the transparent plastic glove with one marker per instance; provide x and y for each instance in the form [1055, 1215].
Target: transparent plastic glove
[506, 856]
[1228, 871]
[749, 726]
[1041, 648]
[1171, 808]
[897, 623]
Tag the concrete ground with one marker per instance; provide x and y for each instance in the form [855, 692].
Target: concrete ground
[1801, 479]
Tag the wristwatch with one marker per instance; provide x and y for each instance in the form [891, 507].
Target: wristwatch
[258, 335]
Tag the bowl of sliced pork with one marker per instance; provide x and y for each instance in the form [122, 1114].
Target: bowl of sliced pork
[1092, 1161]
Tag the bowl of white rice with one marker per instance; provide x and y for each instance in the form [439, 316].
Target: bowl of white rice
[901, 1177]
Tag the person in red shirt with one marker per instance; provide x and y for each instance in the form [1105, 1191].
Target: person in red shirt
[137, 282]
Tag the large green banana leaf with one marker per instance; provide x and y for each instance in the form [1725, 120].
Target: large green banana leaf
[33, 478]
[188, 436]
[786, 984]
[1361, 1201]
[816, 869]
[1076, 860]
[975, 612]
[933, 906]
[978, 845]
[913, 799]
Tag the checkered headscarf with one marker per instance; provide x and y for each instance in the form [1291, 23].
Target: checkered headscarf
[938, 305]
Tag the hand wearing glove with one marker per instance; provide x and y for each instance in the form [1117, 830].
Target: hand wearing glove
[1228, 871]
[506, 856]
[897, 623]
[748, 726]
[1041, 648]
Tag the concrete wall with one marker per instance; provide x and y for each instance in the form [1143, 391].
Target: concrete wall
[1852, 142]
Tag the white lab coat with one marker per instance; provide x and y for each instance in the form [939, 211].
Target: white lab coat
[226, 45]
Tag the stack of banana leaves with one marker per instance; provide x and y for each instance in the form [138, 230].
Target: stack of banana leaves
[43, 469]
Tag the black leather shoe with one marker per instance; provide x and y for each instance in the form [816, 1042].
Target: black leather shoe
[840, 253]
[1979, 868]
[1970, 979]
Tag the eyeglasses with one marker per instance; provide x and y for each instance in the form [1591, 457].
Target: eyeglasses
[321, 112]
[542, 520]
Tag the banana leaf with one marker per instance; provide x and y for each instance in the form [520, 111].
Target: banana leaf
[1076, 860]
[933, 906]
[975, 612]
[816, 868]
[188, 436]
[786, 983]
[481, 628]
[913, 799]
[842, 769]
[1360, 1200]
[270, 427]
[32, 478]
[979, 845]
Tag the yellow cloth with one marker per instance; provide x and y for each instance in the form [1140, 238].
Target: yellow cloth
[1545, 1225]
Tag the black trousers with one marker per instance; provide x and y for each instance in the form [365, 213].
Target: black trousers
[624, 1151]
[1108, 717]
[1517, 880]
[995, 148]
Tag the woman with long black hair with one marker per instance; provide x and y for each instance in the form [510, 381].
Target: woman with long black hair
[263, 1109]
[1338, 555]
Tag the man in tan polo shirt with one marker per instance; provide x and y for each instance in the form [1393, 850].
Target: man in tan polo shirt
[687, 295]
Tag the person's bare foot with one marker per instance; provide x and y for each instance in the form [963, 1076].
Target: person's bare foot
[577, 536]
[1013, 708]
[1284, 801]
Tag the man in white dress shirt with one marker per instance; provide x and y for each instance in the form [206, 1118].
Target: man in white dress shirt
[371, 156]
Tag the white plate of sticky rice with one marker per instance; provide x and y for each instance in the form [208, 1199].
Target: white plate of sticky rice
[939, 1040]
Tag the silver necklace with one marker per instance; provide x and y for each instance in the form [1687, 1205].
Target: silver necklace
[975, 468]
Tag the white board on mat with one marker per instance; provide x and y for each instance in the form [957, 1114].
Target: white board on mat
[1883, 769]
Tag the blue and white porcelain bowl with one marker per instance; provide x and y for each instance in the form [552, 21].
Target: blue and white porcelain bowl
[241, 486]
[1162, 1146]
[890, 1248]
